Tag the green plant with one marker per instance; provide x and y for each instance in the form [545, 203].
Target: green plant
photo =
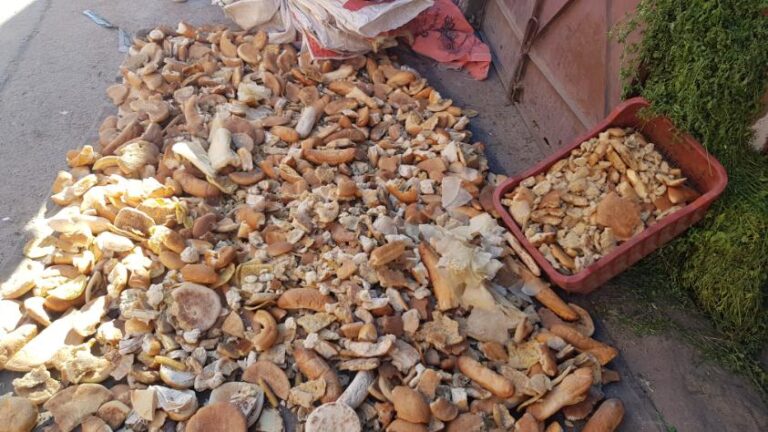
[703, 63]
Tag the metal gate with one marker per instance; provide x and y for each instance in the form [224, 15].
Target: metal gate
[557, 60]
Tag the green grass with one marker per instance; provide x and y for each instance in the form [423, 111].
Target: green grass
[703, 64]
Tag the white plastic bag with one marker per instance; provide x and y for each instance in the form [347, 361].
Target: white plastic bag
[372, 19]
[271, 16]
[331, 28]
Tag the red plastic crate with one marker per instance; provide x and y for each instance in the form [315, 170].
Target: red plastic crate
[703, 171]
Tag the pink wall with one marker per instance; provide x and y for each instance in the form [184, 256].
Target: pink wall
[572, 77]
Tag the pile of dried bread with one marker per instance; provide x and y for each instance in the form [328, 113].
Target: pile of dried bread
[606, 191]
[263, 242]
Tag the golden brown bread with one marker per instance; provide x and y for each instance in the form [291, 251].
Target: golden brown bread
[217, 417]
[607, 417]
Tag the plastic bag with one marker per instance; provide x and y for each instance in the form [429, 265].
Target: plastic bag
[271, 16]
[338, 29]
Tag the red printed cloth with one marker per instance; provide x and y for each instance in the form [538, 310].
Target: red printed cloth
[355, 5]
[442, 33]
